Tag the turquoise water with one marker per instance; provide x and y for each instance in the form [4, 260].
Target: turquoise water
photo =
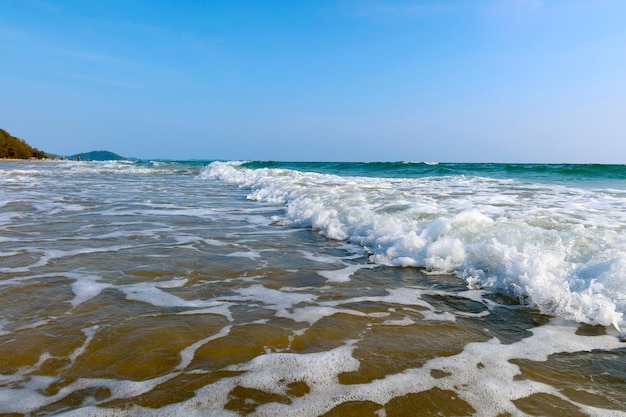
[271, 288]
[602, 175]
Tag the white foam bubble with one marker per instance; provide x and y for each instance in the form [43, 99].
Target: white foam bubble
[86, 287]
[3, 323]
[314, 314]
[275, 299]
[342, 275]
[152, 293]
[405, 321]
[245, 254]
[320, 259]
[46, 255]
[187, 354]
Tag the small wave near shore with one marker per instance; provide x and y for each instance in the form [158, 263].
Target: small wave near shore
[557, 247]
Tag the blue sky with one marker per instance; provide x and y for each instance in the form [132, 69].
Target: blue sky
[347, 80]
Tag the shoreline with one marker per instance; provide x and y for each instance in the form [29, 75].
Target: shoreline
[29, 160]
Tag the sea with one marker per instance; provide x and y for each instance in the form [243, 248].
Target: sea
[230, 288]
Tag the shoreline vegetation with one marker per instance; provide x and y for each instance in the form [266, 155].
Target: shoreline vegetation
[15, 149]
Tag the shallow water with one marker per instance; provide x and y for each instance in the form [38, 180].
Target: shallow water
[171, 288]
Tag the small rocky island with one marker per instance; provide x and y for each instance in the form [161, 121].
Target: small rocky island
[97, 156]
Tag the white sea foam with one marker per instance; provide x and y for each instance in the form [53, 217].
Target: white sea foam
[86, 287]
[342, 275]
[560, 249]
[152, 293]
[187, 354]
[481, 374]
[278, 300]
[3, 323]
[45, 256]
[248, 254]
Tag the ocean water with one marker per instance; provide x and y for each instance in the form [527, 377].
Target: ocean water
[208, 288]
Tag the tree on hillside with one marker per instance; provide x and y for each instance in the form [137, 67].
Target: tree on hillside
[12, 147]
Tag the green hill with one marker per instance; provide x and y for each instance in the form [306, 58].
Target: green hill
[16, 148]
[97, 156]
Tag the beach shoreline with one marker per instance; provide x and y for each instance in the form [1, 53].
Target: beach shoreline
[29, 160]
[174, 288]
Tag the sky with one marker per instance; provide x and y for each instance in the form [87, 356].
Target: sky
[318, 80]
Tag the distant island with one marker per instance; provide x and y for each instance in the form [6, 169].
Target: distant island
[16, 148]
[97, 156]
